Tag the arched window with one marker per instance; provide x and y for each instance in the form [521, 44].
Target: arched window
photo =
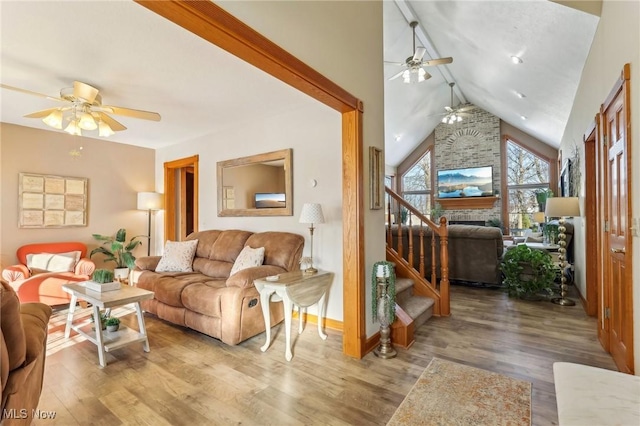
[527, 175]
[416, 184]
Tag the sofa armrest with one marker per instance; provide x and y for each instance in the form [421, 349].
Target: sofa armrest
[15, 273]
[84, 266]
[244, 278]
[148, 263]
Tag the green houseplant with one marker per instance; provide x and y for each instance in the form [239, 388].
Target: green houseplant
[116, 248]
[527, 272]
[112, 323]
[102, 276]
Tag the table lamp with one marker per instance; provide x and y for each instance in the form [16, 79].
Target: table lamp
[562, 207]
[311, 214]
[150, 201]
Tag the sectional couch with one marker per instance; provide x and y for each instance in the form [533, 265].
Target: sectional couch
[475, 252]
[211, 300]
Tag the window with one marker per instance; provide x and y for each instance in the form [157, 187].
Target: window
[416, 184]
[527, 175]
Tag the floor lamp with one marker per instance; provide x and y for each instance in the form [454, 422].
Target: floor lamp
[562, 207]
[150, 201]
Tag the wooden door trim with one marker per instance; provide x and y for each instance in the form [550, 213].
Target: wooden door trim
[591, 220]
[214, 24]
[170, 167]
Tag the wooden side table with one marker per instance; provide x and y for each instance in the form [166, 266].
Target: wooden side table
[293, 289]
[106, 300]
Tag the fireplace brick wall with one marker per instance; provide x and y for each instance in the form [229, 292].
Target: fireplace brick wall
[473, 142]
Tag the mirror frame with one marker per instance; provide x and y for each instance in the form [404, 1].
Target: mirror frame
[283, 154]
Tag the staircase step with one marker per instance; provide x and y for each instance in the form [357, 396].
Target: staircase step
[404, 290]
[419, 308]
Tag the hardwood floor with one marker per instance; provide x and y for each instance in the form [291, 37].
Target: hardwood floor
[191, 379]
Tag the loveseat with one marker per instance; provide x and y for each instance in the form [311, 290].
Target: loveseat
[475, 252]
[210, 299]
[45, 267]
[23, 342]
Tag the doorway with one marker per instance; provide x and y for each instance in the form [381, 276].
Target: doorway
[181, 198]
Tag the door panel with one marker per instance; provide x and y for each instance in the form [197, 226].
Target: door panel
[618, 282]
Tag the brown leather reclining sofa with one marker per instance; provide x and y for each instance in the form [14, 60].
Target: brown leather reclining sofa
[208, 299]
[23, 340]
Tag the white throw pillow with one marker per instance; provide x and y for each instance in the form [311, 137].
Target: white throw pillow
[248, 258]
[178, 256]
[53, 262]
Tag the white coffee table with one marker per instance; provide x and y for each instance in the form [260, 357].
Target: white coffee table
[111, 340]
[293, 289]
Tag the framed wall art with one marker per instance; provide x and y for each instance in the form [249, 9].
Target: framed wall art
[46, 201]
[376, 170]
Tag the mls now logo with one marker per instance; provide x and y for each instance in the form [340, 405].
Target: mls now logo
[23, 413]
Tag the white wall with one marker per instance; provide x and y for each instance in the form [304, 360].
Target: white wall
[617, 41]
[342, 41]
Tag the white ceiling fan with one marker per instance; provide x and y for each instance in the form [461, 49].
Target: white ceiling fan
[83, 110]
[455, 114]
[415, 72]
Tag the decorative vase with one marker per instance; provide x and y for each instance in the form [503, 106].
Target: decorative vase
[113, 328]
[121, 274]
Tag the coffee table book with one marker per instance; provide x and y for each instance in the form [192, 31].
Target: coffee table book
[101, 287]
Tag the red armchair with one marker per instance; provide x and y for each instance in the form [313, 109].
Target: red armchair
[44, 268]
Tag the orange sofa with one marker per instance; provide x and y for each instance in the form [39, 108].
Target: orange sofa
[45, 267]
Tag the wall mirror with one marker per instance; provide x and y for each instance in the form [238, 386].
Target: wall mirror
[257, 185]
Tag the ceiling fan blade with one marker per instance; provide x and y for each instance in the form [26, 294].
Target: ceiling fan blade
[29, 92]
[397, 75]
[135, 113]
[115, 126]
[440, 61]
[40, 114]
[420, 51]
[395, 63]
[84, 91]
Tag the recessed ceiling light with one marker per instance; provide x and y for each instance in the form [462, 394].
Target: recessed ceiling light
[516, 59]
[521, 95]
[397, 137]
[523, 117]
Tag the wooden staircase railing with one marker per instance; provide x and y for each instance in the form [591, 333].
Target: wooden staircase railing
[406, 267]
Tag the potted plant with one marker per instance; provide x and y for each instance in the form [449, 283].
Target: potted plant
[103, 320]
[527, 272]
[541, 198]
[117, 250]
[102, 276]
[112, 323]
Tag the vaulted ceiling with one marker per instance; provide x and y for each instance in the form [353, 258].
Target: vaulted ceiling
[139, 60]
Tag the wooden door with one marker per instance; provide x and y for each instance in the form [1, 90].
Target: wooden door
[181, 198]
[617, 253]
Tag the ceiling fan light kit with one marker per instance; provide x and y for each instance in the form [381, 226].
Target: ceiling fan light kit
[415, 72]
[84, 111]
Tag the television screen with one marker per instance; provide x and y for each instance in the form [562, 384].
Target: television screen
[470, 182]
[270, 200]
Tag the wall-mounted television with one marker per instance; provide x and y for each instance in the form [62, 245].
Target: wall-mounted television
[469, 182]
[270, 200]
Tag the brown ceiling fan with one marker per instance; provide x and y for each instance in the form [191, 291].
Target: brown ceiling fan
[83, 110]
[414, 65]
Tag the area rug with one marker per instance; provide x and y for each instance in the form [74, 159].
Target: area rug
[448, 393]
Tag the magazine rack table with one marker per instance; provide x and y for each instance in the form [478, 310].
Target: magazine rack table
[112, 340]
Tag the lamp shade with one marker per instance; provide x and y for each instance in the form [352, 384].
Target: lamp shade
[562, 207]
[311, 213]
[150, 201]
